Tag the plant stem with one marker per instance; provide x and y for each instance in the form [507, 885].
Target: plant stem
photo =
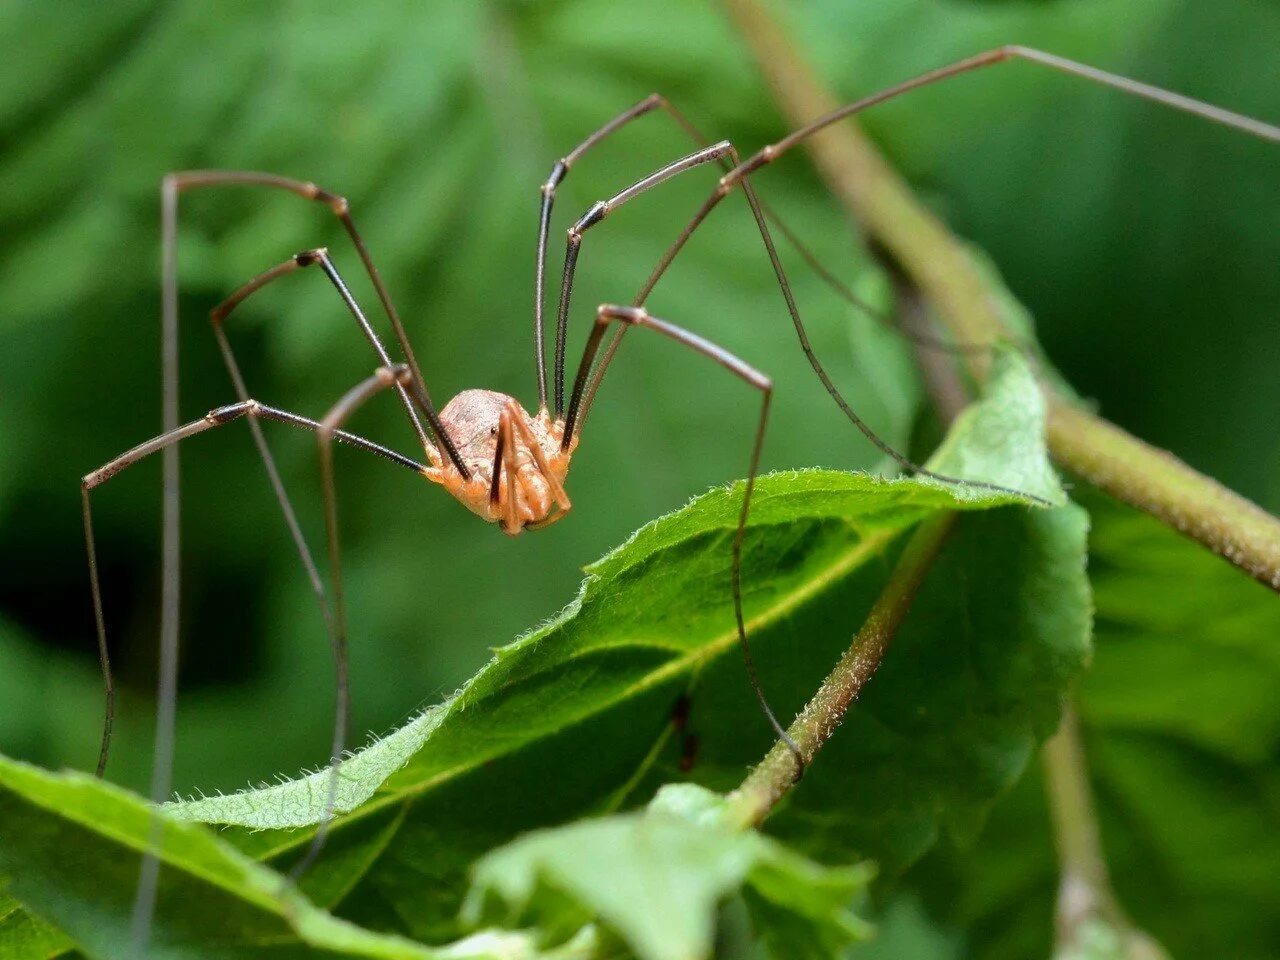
[822, 715]
[1085, 897]
[969, 303]
[1086, 887]
[1156, 481]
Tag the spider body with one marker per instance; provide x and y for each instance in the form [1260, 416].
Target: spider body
[516, 462]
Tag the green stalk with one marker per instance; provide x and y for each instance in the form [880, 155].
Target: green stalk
[1156, 481]
[775, 775]
[1087, 911]
[968, 302]
[1086, 885]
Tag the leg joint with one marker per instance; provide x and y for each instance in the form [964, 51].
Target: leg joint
[607, 312]
[396, 373]
[336, 202]
[556, 178]
[599, 210]
[221, 415]
[306, 258]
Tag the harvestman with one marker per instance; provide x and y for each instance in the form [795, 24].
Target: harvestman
[503, 463]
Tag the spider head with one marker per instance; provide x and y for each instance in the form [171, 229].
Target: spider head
[495, 435]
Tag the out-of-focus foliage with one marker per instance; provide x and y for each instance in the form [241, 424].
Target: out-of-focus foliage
[658, 877]
[1180, 724]
[1141, 239]
[1143, 242]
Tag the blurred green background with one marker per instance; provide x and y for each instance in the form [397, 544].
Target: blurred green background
[1144, 242]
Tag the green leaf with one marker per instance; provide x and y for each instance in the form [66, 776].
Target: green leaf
[1000, 439]
[801, 909]
[575, 718]
[70, 851]
[1181, 728]
[1195, 741]
[904, 929]
[657, 877]
[957, 708]
[24, 937]
[301, 802]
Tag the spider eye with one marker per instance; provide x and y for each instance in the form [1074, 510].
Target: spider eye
[493, 431]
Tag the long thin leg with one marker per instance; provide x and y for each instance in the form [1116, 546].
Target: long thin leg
[171, 570]
[784, 284]
[643, 295]
[321, 257]
[495, 478]
[172, 185]
[769, 153]
[511, 521]
[216, 317]
[557, 488]
[560, 170]
[104, 655]
[336, 632]
[250, 409]
[148, 880]
[192, 179]
[327, 431]
[1176, 101]
[636, 316]
[597, 213]
[846, 293]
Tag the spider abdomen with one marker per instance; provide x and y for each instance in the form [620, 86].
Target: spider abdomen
[530, 465]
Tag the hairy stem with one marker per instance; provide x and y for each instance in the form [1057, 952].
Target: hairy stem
[1156, 481]
[770, 781]
[968, 302]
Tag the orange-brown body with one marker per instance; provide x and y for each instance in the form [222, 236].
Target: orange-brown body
[529, 490]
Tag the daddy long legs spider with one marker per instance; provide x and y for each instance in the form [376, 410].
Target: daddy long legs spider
[505, 464]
